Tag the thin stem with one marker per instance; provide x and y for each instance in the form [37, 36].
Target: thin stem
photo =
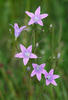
[9, 83]
[59, 41]
[52, 42]
[33, 41]
[34, 38]
[1, 95]
[53, 63]
[60, 35]
[51, 93]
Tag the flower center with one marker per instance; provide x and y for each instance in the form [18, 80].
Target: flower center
[37, 68]
[36, 18]
[49, 77]
[27, 54]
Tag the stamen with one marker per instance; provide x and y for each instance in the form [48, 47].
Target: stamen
[36, 18]
[27, 54]
[49, 77]
[37, 68]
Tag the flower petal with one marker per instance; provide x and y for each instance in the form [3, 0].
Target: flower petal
[16, 27]
[19, 55]
[33, 55]
[55, 76]
[43, 65]
[34, 65]
[40, 22]
[33, 73]
[51, 71]
[16, 30]
[44, 71]
[46, 74]
[38, 76]
[43, 16]
[17, 33]
[29, 13]
[37, 12]
[47, 82]
[31, 22]
[54, 83]
[22, 48]
[29, 48]
[22, 28]
[25, 60]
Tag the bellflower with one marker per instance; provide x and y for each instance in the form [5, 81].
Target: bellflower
[36, 17]
[50, 78]
[38, 70]
[18, 30]
[25, 54]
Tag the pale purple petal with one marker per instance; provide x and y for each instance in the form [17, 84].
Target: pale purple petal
[16, 30]
[29, 48]
[17, 33]
[51, 71]
[54, 83]
[29, 13]
[33, 73]
[46, 74]
[22, 28]
[43, 16]
[40, 22]
[31, 22]
[43, 65]
[25, 60]
[22, 48]
[44, 71]
[33, 55]
[37, 12]
[16, 26]
[55, 76]
[19, 55]
[34, 65]
[47, 82]
[38, 76]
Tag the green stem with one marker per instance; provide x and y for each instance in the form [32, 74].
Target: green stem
[59, 36]
[52, 42]
[34, 38]
[53, 63]
[9, 83]
[51, 93]
[1, 95]
[33, 41]
[59, 40]
[17, 87]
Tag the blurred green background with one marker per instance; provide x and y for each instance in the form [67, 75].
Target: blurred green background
[51, 44]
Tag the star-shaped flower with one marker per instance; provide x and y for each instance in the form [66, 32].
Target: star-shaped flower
[50, 78]
[18, 30]
[25, 54]
[38, 70]
[37, 17]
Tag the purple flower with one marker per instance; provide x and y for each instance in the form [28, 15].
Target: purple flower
[37, 17]
[25, 54]
[38, 70]
[18, 30]
[50, 78]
